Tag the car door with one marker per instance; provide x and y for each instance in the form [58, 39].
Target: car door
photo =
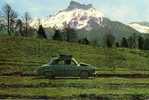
[58, 68]
[71, 69]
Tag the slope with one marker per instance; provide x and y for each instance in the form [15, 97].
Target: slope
[27, 54]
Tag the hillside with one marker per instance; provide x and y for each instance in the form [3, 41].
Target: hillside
[118, 29]
[28, 54]
[19, 54]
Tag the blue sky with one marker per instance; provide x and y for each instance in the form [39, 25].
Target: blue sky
[121, 10]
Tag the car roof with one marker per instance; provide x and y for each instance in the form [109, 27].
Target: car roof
[65, 57]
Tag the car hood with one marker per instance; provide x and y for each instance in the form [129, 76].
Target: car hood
[84, 64]
[44, 65]
[87, 65]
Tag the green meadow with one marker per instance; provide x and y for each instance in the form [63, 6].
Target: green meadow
[22, 56]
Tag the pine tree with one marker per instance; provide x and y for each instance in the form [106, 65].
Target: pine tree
[109, 40]
[41, 32]
[146, 44]
[132, 41]
[71, 35]
[84, 41]
[117, 44]
[124, 43]
[140, 42]
[57, 35]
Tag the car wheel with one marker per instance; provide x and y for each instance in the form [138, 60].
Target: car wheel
[84, 75]
[49, 75]
[52, 77]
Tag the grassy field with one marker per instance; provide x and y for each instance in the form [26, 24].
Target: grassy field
[24, 55]
[29, 53]
[112, 88]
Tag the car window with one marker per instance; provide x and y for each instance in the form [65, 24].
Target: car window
[53, 60]
[58, 61]
[75, 62]
[64, 62]
[70, 62]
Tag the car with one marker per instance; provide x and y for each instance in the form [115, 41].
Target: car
[66, 66]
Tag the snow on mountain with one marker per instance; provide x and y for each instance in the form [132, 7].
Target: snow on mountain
[142, 28]
[77, 16]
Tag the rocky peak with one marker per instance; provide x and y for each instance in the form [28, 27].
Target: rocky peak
[74, 4]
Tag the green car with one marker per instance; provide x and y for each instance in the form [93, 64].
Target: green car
[66, 66]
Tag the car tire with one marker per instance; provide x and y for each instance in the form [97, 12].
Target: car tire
[50, 75]
[84, 75]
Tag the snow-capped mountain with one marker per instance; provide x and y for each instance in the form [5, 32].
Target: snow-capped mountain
[142, 27]
[88, 22]
[77, 16]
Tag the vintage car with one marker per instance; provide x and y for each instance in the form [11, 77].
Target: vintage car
[66, 66]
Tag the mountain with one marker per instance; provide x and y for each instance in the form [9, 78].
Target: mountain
[118, 29]
[142, 27]
[74, 5]
[77, 16]
[88, 22]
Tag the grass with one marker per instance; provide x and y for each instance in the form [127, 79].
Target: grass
[31, 53]
[61, 92]
[71, 87]
[18, 54]
[113, 88]
[70, 82]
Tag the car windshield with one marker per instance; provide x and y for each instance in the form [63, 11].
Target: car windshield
[56, 60]
[53, 60]
[75, 61]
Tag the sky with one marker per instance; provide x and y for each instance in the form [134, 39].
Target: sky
[125, 11]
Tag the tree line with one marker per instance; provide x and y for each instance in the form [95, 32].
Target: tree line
[134, 41]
